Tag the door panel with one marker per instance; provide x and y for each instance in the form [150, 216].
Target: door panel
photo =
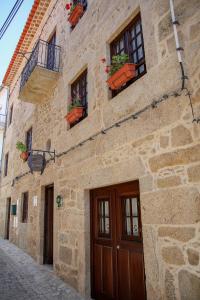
[48, 226]
[116, 239]
[8, 219]
[137, 275]
[103, 239]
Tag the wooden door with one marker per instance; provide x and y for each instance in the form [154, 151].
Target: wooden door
[48, 225]
[8, 219]
[117, 266]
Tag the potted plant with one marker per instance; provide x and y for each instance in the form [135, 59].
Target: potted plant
[120, 71]
[75, 111]
[75, 12]
[24, 153]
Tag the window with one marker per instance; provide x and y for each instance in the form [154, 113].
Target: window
[10, 115]
[29, 139]
[104, 218]
[131, 219]
[130, 41]
[83, 2]
[79, 90]
[6, 165]
[25, 207]
[51, 52]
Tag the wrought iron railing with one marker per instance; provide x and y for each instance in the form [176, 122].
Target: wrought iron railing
[45, 55]
[2, 120]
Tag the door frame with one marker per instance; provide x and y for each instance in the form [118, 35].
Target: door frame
[7, 223]
[44, 221]
[131, 183]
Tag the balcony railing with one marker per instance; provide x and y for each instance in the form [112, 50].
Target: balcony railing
[45, 55]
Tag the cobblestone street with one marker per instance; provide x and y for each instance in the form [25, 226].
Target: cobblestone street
[21, 278]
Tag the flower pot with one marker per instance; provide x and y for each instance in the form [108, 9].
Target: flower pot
[120, 77]
[76, 14]
[74, 115]
[24, 156]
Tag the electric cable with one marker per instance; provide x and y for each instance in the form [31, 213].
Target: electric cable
[10, 17]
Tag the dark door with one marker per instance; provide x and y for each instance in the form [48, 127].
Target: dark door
[48, 225]
[51, 52]
[116, 239]
[8, 219]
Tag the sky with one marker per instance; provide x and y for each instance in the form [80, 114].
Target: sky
[10, 39]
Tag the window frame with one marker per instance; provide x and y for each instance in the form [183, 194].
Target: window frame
[104, 217]
[10, 115]
[125, 34]
[30, 130]
[80, 86]
[124, 235]
[6, 164]
[24, 209]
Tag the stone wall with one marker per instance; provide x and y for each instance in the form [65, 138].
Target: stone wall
[161, 148]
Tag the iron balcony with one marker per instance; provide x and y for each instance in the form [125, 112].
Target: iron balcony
[40, 74]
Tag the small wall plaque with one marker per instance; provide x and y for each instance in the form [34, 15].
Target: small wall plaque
[35, 201]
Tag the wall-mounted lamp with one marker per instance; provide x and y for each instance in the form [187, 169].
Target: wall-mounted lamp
[59, 201]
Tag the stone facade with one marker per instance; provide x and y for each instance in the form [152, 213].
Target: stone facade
[161, 148]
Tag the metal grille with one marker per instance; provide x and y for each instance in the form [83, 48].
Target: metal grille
[45, 55]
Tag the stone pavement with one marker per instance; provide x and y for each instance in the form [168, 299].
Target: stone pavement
[21, 278]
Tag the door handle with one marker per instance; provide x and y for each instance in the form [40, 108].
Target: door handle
[118, 247]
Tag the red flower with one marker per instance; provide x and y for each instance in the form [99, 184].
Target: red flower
[68, 6]
[103, 60]
[107, 69]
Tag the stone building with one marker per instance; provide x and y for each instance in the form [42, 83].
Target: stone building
[118, 212]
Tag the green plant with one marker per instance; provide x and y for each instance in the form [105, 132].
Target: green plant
[21, 147]
[75, 103]
[117, 62]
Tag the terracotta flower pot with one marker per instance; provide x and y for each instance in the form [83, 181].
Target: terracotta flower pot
[24, 156]
[120, 77]
[76, 14]
[74, 115]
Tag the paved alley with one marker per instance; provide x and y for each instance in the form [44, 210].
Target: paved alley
[21, 278]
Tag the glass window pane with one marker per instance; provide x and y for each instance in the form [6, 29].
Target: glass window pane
[133, 32]
[101, 208]
[134, 207]
[135, 57]
[141, 68]
[135, 227]
[138, 28]
[106, 209]
[122, 43]
[101, 225]
[140, 53]
[134, 44]
[128, 211]
[128, 226]
[139, 40]
[107, 225]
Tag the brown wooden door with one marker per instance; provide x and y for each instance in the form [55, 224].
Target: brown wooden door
[8, 219]
[116, 244]
[48, 225]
